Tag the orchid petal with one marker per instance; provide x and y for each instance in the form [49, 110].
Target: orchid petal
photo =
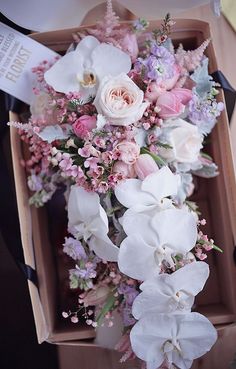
[152, 333]
[129, 193]
[148, 335]
[138, 224]
[136, 258]
[82, 205]
[191, 278]
[171, 292]
[195, 342]
[86, 46]
[176, 228]
[161, 184]
[109, 60]
[62, 75]
[104, 248]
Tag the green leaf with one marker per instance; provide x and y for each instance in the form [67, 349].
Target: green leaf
[217, 248]
[155, 157]
[106, 308]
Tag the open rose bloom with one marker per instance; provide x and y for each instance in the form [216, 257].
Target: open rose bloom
[118, 125]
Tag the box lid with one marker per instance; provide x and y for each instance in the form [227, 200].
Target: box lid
[47, 15]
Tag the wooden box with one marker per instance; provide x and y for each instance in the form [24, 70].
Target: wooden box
[216, 198]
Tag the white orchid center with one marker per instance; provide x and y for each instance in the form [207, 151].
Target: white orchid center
[163, 252]
[89, 79]
[169, 347]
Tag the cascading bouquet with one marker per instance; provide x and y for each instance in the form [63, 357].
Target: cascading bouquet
[119, 123]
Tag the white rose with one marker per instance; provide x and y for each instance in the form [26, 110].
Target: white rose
[120, 100]
[186, 142]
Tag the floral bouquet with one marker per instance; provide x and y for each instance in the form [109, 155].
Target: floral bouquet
[119, 124]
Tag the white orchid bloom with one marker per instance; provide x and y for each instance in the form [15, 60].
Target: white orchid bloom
[81, 70]
[179, 338]
[150, 241]
[171, 293]
[88, 220]
[150, 194]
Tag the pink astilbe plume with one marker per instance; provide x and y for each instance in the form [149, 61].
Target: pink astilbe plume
[108, 30]
[190, 60]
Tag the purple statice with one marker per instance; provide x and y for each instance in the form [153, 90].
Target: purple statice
[35, 182]
[129, 294]
[83, 274]
[203, 113]
[158, 65]
[74, 249]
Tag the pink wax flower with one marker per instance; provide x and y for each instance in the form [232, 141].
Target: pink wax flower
[144, 166]
[84, 125]
[154, 90]
[170, 105]
[127, 151]
[184, 94]
[126, 170]
[129, 45]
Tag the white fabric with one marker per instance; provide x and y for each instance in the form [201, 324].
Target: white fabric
[50, 15]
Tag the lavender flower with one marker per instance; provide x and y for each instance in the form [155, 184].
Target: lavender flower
[35, 182]
[129, 293]
[203, 113]
[158, 66]
[74, 249]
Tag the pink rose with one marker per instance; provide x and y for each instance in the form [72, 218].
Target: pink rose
[170, 105]
[168, 84]
[127, 152]
[129, 45]
[84, 125]
[154, 90]
[126, 170]
[184, 94]
[144, 166]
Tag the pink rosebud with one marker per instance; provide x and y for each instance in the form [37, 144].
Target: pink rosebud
[170, 105]
[126, 170]
[144, 166]
[129, 45]
[154, 90]
[168, 84]
[84, 125]
[184, 94]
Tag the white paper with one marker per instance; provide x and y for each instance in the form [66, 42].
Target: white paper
[50, 15]
[18, 54]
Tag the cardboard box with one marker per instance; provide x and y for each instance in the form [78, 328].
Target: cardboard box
[216, 198]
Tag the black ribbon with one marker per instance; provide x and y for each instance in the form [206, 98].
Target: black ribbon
[229, 91]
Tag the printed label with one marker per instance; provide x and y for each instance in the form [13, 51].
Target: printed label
[18, 55]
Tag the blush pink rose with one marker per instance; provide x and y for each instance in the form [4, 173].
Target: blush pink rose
[168, 84]
[127, 152]
[129, 45]
[127, 170]
[184, 94]
[154, 90]
[144, 166]
[170, 105]
[84, 125]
